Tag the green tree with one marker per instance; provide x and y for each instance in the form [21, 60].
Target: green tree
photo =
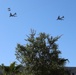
[12, 69]
[41, 55]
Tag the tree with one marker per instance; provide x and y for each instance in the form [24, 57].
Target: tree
[40, 55]
[13, 69]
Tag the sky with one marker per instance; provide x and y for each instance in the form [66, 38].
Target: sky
[41, 16]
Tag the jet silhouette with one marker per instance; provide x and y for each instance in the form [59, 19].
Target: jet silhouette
[9, 9]
[60, 18]
[13, 15]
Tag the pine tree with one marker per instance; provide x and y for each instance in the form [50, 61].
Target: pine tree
[41, 55]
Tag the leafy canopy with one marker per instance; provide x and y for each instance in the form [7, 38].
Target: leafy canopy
[40, 55]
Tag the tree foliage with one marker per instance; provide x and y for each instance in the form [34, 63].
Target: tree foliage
[12, 69]
[41, 55]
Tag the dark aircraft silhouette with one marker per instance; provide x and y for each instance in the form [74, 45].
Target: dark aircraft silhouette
[13, 15]
[60, 18]
[9, 9]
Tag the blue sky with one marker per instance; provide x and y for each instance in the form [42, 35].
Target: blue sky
[41, 16]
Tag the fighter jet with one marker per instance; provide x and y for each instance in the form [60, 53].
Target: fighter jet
[13, 15]
[60, 18]
[9, 9]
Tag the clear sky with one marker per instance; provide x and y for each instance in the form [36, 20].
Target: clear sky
[41, 16]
